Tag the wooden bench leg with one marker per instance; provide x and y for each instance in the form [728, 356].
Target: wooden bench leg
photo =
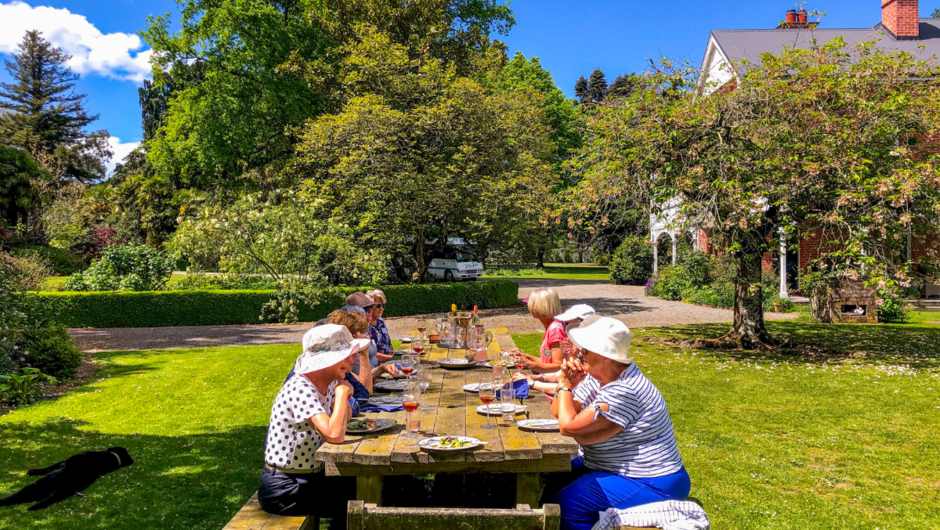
[369, 489]
[528, 490]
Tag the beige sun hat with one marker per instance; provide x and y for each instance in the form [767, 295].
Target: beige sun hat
[577, 311]
[606, 336]
[325, 346]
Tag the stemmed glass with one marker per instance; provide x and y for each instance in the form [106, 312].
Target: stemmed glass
[411, 401]
[487, 396]
[423, 375]
[422, 329]
[417, 346]
[407, 365]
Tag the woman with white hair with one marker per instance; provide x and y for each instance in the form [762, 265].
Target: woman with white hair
[543, 305]
[311, 407]
[630, 456]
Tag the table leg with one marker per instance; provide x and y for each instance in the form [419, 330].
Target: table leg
[528, 490]
[369, 489]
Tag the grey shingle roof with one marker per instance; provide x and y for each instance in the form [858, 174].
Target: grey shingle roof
[750, 44]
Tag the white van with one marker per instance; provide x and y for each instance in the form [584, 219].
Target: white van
[451, 265]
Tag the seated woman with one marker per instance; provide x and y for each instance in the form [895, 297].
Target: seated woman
[360, 371]
[571, 319]
[311, 407]
[621, 421]
[378, 332]
[543, 305]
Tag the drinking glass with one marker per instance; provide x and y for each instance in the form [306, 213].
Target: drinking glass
[445, 332]
[508, 360]
[487, 396]
[518, 359]
[506, 402]
[422, 329]
[423, 375]
[417, 346]
[411, 402]
[407, 365]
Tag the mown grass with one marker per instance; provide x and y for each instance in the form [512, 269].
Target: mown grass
[567, 271]
[770, 441]
[57, 283]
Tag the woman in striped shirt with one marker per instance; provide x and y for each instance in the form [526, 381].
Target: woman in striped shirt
[621, 421]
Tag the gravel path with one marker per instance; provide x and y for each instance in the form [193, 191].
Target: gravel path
[626, 303]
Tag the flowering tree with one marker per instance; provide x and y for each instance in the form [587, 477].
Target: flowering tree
[828, 139]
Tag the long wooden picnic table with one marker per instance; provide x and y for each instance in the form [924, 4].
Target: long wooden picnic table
[452, 413]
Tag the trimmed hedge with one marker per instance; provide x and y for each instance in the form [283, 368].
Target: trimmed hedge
[203, 308]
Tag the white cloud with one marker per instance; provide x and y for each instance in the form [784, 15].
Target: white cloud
[116, 55]
[120, 152]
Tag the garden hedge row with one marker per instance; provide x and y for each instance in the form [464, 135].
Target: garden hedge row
[201, 308]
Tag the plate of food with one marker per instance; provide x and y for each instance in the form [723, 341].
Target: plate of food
[472, 387]
[504, 364]
[456, 363]
[400, 352]
[449, 443]
[390, 386]
[496, 409]
[538, 425]
[384, 400]
[405, 339]
[368, 425]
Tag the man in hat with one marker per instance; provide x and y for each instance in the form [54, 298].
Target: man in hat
[311, 407]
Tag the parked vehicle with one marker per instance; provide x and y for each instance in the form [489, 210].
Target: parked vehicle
[452, 265]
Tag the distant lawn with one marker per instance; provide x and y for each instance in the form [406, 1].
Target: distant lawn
[566, 271]
[56, 283]
[770, 442]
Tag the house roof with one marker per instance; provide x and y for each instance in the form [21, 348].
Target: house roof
[736, 45]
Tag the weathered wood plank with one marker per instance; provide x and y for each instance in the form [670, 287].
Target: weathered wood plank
[250, 517]
[493, 451]
[504, 339]
[279, 522]
[442, 464]
[369, 488]
[376, 449]
[519, 444]
[528, 490]
[551, 442]
[406, 449]
[363, 516]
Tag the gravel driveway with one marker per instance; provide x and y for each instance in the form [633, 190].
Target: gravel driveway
[626, 303]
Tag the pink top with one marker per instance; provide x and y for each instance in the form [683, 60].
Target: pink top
[554, 333]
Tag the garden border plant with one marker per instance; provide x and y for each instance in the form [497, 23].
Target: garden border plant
[193, 308]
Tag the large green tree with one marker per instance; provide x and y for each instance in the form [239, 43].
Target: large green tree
[830, 139]
[46, 118]
[420, 153]
[18, 196]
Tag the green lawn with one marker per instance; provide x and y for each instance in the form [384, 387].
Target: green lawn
[568, 271]
[56, 283]
[770, 442]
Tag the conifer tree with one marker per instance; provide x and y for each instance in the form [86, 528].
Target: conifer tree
[46, 118]
[624, 85]
[581, 90]
[597, 86]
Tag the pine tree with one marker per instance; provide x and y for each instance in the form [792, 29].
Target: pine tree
[624, 85]
[46, 118]
[597, 86]
[581, 90]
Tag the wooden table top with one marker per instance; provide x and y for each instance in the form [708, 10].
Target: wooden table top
[452, 413]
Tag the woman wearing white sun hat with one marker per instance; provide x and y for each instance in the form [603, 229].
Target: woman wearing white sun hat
[630, 456]
[312, 406]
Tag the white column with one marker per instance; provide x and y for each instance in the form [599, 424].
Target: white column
[783, 264]
[675, 250]
[655, 256]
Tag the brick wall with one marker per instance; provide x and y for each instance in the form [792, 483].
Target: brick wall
[901, 17]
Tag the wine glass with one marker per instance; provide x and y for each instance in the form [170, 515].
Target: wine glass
[407, 365]
[422, 329]
[411, 401]
[423, 375]
[487, 396]
[417, 346]
[518, 359]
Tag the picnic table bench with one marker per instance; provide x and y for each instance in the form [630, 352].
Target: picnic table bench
[509, 449]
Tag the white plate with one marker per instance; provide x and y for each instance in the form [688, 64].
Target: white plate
[432, 444]
[460, 364]
[390, 386]
[496, 410]
[472, 387]
[380, 425]
[385, 400]
[405, 339]
[538, 425]
[505, 364]
[400, 352]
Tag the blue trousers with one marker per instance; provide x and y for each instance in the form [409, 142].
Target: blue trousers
[591, 492]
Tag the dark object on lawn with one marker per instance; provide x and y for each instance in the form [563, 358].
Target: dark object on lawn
[61, 481]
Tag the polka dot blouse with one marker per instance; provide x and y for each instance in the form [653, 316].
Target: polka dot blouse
[292, 438]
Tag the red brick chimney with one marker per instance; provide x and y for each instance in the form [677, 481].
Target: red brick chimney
[901, 17]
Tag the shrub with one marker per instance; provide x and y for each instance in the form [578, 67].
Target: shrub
[62, 261]
[193, 308]
[23, 388]
[632, 263]
[127, 268]
[715, 295]
[891, 306]
[95, 241]
[602, 259]
[50, 350]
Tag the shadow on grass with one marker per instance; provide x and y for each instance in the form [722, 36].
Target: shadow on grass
[187, 481]
[912, 345]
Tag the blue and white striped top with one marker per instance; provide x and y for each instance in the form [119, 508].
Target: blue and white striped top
[646, 447]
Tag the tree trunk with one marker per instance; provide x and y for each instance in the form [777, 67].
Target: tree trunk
[419, 257]
[540, 257]
[748, 328]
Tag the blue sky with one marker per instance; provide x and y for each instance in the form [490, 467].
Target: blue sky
[570, 37]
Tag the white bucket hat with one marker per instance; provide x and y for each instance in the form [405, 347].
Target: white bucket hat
[580, 311]
[325, 346]
[607, 336]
